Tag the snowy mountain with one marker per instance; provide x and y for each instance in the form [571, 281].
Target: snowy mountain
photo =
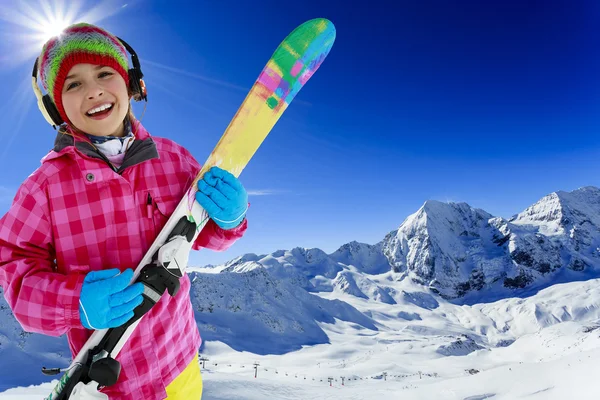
[456, 249]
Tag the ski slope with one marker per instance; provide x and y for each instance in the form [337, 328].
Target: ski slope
[423, 358]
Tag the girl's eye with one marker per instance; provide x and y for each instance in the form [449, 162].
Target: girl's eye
[72, 85]
[104, 74]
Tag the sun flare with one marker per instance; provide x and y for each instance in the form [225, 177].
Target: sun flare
[53, 28]
[33, 22]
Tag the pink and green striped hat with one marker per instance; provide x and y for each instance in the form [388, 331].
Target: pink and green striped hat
[79, 43]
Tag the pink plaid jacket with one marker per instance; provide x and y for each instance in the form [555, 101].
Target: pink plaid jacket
[76, 214]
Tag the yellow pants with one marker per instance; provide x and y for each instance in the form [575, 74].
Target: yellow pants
[188, 385]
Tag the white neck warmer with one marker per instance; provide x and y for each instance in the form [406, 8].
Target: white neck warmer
[114, 148]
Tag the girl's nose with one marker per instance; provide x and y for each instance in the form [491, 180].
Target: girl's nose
[95, 92]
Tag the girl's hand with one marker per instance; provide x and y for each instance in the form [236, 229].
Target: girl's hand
[223, 197]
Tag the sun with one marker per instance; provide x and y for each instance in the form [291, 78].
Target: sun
[42, 19]
[29, 24]
[53, 27]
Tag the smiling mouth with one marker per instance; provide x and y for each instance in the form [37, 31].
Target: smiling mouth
[100, 111]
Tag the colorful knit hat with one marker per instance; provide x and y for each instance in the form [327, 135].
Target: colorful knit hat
[79, 43]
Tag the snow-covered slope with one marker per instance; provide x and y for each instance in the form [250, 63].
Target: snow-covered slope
[252, 311]
[541, 347]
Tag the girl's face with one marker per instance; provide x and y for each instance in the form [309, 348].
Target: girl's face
[95, 99]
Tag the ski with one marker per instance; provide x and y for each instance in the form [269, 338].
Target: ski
[292, 64]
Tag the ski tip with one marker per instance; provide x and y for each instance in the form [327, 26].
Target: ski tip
[324, 26]
[324, 21]
[321, 31]
[330, 29]
[327, 31]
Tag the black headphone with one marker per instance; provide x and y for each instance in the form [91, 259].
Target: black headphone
[137, 88]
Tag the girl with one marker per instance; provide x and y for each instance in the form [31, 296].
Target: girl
[81, 223]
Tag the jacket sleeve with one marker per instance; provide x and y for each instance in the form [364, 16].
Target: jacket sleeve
[42, 300]
[213, 237]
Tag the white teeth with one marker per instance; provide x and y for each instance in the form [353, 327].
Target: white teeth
[99, 108]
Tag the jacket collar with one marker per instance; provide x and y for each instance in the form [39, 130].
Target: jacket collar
[142, 149]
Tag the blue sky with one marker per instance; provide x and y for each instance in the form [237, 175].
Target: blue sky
[493, 103]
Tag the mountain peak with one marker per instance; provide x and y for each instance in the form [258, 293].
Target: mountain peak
[450, 217]
[558, 212]
[368, 258]
[450, 209]
[549, 208]
[310, 256]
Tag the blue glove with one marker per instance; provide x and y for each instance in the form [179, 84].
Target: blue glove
[107, 300]
[223, 197]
